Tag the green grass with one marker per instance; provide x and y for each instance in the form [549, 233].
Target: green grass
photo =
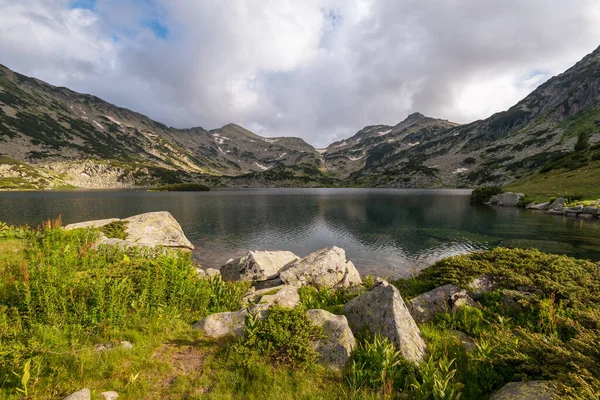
[60, 299]
[548, 330]
[581, 183]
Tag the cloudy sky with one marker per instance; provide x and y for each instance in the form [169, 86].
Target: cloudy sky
[318, 69]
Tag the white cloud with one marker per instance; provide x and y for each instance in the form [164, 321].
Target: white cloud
[319, 69]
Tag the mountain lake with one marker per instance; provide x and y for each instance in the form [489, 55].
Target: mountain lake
[387, 232]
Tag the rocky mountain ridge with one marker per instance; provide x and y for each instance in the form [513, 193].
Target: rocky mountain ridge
[76, 139]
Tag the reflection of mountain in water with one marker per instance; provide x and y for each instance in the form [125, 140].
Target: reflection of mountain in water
[387, 232]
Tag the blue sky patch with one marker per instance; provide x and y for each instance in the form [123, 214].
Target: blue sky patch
[160, 30]
[85, 4]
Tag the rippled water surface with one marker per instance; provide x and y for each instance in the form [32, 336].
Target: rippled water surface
[389, 232]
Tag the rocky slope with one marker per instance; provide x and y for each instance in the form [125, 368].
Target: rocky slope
[76, 139]
[504, 147]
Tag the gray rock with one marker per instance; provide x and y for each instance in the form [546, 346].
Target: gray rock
[424, 306]
[126, 345]
[557, 204]
[109, 395]
[210, 272]
[461, 299]
[575, 210]
[382, 310]
[336, 346]
[465, 340]
[509, 199]
[91, 224]
[558, 211]
[271, 283]
[482, 285]
[494, 199]
[592, 210]
[83, 394]
[223, 324]
[156, 229]
[324, 268]
[201, 273]
[540, 206]
[151, 229]
[284, 296]
[533, 390]
[257, 266]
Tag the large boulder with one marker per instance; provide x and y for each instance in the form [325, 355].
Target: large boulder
[338, 341]
[257, 266]
[509, 199]
[533, 390]
[324, 268]
[424, 306]
[382, 310]
[151, 229]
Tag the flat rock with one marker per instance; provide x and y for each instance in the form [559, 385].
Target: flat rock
[382, 310]
[156, 229]
[283, 296]
[540, 206]
[591, 210]
[336, 346]
[326, 268]
[223, 324]
[151, 229]
[533, 390]
[83, 394]
[257, 266]
[424, 306]
[99, 223]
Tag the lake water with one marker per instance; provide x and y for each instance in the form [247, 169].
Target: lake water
[390, 232]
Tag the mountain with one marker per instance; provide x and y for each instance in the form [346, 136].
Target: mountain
[539, 130]
[53, 137]
[92, 143]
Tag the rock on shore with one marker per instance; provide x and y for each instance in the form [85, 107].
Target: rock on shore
[153, 229]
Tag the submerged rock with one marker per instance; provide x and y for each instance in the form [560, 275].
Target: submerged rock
[326, 268]
[151, 229]
[336, 346]
[257, 266]
[83, 394]
[534, 390]
[382, 310]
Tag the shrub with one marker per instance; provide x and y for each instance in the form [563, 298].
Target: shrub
[483, 194]
[284, 336]
[377, 364]
[183, 187]
[469, 161]
[583, 140]
[328, 299]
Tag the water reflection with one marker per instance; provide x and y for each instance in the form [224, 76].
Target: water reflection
[388, 232]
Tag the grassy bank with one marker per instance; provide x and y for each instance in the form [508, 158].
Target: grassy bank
[66, 309]
[580, 183]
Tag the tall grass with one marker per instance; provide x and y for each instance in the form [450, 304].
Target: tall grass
[59, 295]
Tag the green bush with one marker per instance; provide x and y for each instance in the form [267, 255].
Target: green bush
[284, 336]
[583, 140]
[483, 194]
[328, 299]
[377, 364]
